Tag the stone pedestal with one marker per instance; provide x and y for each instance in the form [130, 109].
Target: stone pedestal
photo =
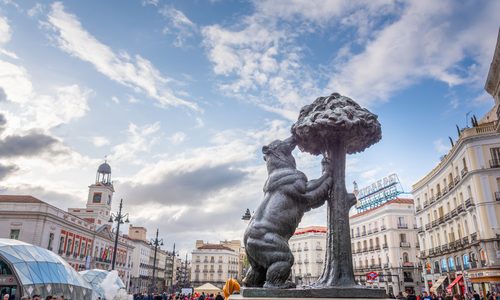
[356, 292]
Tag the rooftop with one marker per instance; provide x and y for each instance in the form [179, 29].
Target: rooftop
[19, 199]
[310, 229]
[214, 247]
[395, 201]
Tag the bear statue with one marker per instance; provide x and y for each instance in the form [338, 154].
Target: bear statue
[287, 196]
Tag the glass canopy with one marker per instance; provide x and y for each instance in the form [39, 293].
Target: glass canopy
[40, 271]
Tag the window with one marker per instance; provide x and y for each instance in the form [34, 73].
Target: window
[405, 257]
[51, 239]
[97, 198]
[402, 237]
[495, 157]
[61, 245]
[14, 234]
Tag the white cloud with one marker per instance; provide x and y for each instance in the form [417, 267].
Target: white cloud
[177, 138]
[428, 41]
[5, 33]
[36, 10]
[139, 140]
[441, 147]
[115, 100]
[178, 24]
[135, 72]
[100, 141]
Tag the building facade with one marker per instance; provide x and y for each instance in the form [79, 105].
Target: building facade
[214, 263]
[384, 241]
[308, 249]
[458, 205]
[80, 236]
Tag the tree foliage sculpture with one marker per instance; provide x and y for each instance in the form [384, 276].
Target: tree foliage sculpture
[335, 126]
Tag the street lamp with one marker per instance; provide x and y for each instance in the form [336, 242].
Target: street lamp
[247, 216]
[119, 219]
[155, 242]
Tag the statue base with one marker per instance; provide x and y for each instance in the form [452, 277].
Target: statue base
[355, 292]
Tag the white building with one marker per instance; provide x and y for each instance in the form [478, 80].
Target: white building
[213, 263]
[308, 248]
[458, 206]
[384, 241]
[78, 236]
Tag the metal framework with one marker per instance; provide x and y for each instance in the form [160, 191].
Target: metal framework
[378, 193]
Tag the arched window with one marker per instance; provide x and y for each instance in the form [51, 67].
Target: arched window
[377, 242]
[405, 257]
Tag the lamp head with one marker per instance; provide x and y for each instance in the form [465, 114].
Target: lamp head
[110, 219]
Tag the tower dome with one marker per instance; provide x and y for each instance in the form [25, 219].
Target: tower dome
[103, 174]
[104, 168]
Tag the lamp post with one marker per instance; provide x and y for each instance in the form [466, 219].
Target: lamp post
[155, 242]
[119, 219]
[173, 270]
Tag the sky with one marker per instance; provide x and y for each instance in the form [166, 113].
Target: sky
[180, 97]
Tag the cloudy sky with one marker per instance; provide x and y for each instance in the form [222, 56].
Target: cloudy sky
[181, 95]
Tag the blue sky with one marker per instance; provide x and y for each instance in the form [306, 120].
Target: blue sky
[182, 95]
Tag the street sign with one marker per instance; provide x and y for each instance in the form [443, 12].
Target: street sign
[371, 276]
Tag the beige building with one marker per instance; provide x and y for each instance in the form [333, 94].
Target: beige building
[384, 241]
[308, 249]
[458, 206]
[214, 263]
[81, 236]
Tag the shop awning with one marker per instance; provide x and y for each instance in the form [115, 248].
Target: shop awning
[438, 283]
[453, 283]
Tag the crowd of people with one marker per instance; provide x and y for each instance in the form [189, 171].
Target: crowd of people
[474, 295]
[179, 296]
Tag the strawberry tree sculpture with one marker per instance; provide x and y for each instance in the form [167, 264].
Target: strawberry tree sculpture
[335, 126]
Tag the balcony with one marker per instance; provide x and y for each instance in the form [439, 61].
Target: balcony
[435, 223]
[408, 279]
[465, 240]
[456, 180]
[418, 208]
[404, 245]
[438, 195]
[371, 248]
[382, 228]
[319, 260]
[375, 230]
[420, 229]
[495, 163]
[358, 235]
[365, 249]
[363, 233]
[464, 172]
[402, 226]
[473, 237]
[428, 226]
[454, 213]
[469, 203]
[460, 208]
[432, 200]
[385, 246]
[426, 203]
[441, 220]
[386, 266]
[369, 231]
[497, 196]
[319, 248]
[444, 248]
[306, 261]
[422, 254]
[306, 249]
[450, 185]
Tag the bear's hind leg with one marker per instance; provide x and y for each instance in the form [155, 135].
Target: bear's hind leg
[277, 276]
[255, 277]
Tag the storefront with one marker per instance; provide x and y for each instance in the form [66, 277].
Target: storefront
[484, 280]
[26, 270]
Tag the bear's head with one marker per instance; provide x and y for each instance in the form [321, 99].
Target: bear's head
[278, 154]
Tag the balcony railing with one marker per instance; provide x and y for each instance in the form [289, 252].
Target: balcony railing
[428, 226]
[447, 216]
[432, 200]
[435, 223]
[469, 203]
[495, 163]
[375, 230]
[382, 228]
[450, 185]
[464, 172]
[386, 265]
[460, 208]
[402, 226]
[454, 213]
[358, 235]
[422, 254]
[418, 208]
[385, 246]
[426, 203]
[441, 220]
[497, 196]
[404, 245]
[420, 229]
[363, 233]
[456, 180]
[465, 240]
[473, 237]
[377, 247]
[438, 195]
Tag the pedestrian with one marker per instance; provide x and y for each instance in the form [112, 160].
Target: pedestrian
[219, 296]
[6, 297]
[475, 295]
[411, 296]
[25, 298]
[49, 297]
[37, 297]
[426, 296]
